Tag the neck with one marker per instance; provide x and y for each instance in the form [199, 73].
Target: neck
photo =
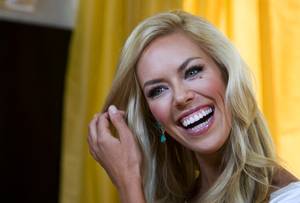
[210, 166]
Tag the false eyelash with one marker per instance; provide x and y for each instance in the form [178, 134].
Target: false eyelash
[152, 93]
[198, 68]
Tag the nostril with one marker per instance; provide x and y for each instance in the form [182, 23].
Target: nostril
[183, 98]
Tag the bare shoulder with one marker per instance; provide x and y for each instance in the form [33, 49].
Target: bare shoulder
[283, 177]
[287, 187]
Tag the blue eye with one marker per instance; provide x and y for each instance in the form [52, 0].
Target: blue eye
[192, 71]
[156, 91]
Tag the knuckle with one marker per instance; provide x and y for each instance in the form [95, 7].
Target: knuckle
[100, 141]
[89, 140]
[91, 125]
[116, 118]
[121, 123]
[89, 129]
[100, 118]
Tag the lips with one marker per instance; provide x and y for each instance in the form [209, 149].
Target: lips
[197, 120]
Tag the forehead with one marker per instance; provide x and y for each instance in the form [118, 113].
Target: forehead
[175, 44]
[166, 53]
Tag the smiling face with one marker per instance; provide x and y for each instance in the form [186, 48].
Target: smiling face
[185, 91]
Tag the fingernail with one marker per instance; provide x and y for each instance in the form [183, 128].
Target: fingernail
[112, 109]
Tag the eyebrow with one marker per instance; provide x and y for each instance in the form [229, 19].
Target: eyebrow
[180, 69]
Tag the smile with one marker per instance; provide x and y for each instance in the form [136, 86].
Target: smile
[198, 121]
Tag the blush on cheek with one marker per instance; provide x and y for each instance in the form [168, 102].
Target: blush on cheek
[159, 112]
[214, 85]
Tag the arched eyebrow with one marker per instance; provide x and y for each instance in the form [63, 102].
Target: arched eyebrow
[180, 69]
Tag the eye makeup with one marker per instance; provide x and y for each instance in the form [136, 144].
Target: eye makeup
[156, 91]
[193, 71]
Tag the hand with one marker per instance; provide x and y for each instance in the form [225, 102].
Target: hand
[119, 156]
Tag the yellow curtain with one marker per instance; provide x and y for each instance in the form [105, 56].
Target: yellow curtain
[266, 33]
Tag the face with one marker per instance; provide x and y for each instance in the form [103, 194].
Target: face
[185, 91]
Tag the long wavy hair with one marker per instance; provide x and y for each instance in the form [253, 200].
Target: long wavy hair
[169, 170]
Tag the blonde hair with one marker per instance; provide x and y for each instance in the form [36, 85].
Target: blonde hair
[170, 170]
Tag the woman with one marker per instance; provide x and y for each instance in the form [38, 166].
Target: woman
[188, 128]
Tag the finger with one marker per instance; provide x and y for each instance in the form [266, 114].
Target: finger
[92, 137]
[103, 125]
[118, 121]
[94, 155]
[122, 112]
[92, 142]
[104, 132]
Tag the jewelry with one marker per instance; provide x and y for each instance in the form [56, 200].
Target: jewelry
[163, 137]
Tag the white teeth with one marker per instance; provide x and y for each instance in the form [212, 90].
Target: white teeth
[196, 117]
[201, 114]
[201, 125]
[185, 123]
[192, 120]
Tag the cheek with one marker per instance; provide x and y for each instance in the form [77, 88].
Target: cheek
[218, 88]
[214, 85]
[160, 110]
[212, 88]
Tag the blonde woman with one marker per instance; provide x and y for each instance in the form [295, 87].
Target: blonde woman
[186, 124]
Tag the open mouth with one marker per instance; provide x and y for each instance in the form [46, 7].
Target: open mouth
[198, 119]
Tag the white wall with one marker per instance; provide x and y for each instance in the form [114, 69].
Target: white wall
[57, 13]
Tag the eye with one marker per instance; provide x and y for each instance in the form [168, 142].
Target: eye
[156, 91]
[192, 71]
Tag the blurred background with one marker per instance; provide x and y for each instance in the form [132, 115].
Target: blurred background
[57, 61]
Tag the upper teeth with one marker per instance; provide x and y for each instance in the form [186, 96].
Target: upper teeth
[195, 117]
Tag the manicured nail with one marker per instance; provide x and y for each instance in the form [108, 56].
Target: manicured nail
[112, 109]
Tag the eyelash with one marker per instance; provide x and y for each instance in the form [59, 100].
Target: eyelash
[156, 91]
[197, 68]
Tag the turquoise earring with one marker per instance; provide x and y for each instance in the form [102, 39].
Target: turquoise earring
[163, 137]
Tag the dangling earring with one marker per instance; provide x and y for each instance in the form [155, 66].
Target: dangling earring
[162, 133]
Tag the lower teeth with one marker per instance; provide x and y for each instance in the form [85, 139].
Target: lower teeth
[201, 125]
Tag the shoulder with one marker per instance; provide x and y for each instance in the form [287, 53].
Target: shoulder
[287, 187]
[282, 178]
[287, 194]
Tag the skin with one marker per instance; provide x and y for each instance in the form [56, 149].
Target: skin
[180, 90]
[176, 91]
[120, 157]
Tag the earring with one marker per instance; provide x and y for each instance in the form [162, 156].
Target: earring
[162, 131]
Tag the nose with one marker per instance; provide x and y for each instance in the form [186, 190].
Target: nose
[183, 96]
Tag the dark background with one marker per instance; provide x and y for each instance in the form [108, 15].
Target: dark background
[32, 70]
